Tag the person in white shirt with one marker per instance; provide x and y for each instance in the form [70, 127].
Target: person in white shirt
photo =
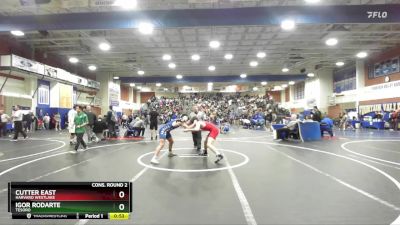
[46, 121]
[17, 118]
[71, 125]
[4, 119]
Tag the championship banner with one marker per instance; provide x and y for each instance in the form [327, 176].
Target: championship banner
[43, 94]
[66, 96]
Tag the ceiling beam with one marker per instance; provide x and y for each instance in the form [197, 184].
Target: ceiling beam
[305, 14]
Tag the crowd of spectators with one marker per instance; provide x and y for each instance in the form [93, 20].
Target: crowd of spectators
[247, 110]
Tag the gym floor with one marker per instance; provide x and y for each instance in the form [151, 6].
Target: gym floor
[350, 179]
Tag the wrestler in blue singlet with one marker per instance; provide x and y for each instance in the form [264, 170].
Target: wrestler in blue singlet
[164, 131]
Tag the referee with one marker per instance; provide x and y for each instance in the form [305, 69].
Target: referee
[17, 118]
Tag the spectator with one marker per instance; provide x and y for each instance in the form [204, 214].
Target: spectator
[308, 119]
[111, 122]
[17, 118]
[291, 128]
[89, 127]
[46, 121]
[99, 127]
[344, 121]
[396, 119]
[153, 123]
[316, 114]
[26, 122]
[327, 125]
[124, 120]
[4, 119]
[57, 120]
[33, 121]
[138, 126]
[80, 121]
[392, 118]
[71, 124]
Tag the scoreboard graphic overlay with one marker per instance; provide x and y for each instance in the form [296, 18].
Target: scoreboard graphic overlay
[70, 200]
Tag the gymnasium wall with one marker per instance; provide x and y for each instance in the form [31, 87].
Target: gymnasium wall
[167, 94]
[144, 96]
[9, 102]
[124, 93]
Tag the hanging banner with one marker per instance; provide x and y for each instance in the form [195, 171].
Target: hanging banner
[50, 71]
[43, 94]
[26, 64]
[114, 92]
[381, 91]
[75, 96]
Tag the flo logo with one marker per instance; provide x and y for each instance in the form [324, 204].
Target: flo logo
[377, 14]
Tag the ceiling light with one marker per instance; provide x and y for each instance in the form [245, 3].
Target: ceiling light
[92, 68]
[172, 65]
[255, 88]
[285, 70]
[132, 85]
[126, 4]
[210, 84]
[116, 78]
[312, 1]
[261, 55]
[195, 57]
[310, 75]
[215, 44]
[340, 63]
[253, 63]
[362, 55]
[243, 75]
[288, 24]
[211, 68]
[146, 28]
[166, 57]
[179, 76]
[104, 46]
[158, 84]
[331, 42]
[140, 72]
[165, 89]
[228, 56]
[17, 33]
[139, 87]
[73, 60]
[264, 83]
[284, 85]
[291, 82]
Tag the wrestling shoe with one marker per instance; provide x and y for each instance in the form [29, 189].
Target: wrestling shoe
[203, 154]
[219, 158]
[154, 161]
